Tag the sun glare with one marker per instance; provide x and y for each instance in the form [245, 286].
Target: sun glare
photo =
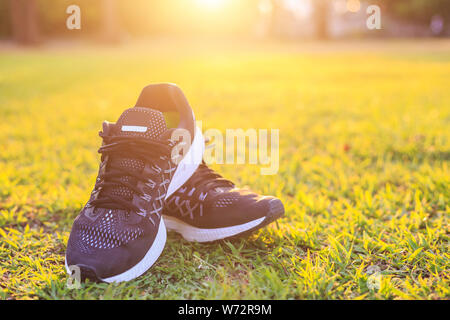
[353, 5]
[211, 4]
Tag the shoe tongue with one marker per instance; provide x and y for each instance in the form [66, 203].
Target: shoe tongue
[136, 122]
[141, 122]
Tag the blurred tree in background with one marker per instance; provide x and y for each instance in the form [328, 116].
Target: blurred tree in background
[23, 20]
[5, 19]
[321, 12]
[27, 21]
[419, 11]
[109, 18]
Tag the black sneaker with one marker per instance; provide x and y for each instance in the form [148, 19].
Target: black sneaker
[208, 208]
[120, 234]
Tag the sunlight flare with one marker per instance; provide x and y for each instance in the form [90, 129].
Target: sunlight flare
[211, 4]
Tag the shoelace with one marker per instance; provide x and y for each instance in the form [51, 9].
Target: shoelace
[206, 179]
[136, 148]
[200, 183]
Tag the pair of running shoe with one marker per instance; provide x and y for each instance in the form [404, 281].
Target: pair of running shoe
[151, 179]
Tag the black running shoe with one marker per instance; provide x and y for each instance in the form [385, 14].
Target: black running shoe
[208, 208]
[120, 234]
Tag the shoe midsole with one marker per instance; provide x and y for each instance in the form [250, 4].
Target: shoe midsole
[192, 233]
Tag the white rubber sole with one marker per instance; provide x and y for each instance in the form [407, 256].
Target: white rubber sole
[188, 164]
[191, 233]
[142, 266]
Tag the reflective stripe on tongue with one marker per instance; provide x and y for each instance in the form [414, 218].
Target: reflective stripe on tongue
[223, 189]
[141, 122]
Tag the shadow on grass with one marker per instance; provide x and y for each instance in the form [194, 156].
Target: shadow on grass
[183, 266]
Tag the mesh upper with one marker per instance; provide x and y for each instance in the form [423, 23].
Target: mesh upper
[226, 200]
[106, 233]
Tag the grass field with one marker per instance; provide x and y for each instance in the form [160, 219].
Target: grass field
[364, 166]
